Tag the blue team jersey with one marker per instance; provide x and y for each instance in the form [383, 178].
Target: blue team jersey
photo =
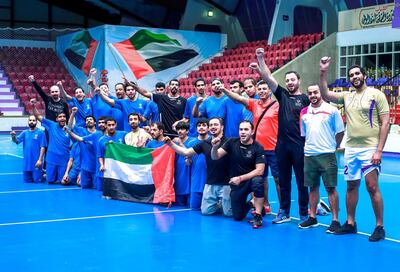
[213, 107]
[84, 109]
[75, 154]
[91, 162]
[198, 173]
[182, 172]
[191, 101]
[235, 113]
[119, 137]
[151, 112]
[154, 144]
[119, 117]
[128, 106]
[88, 149]
[59, 143]
[101, 108]
[32, 142]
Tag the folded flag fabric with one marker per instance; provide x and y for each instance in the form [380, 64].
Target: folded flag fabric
[82, 51]
[147, 52]
[139, 174]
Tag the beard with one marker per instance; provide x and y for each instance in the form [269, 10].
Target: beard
[31, 125]
[174, 90]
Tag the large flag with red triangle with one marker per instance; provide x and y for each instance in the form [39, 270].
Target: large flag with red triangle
[147, 52]
[82, 51]
[139, 174]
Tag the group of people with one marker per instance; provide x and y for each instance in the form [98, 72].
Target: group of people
[225, 143]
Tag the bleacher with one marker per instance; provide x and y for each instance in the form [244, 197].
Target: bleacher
[233, 64]
[20, 62]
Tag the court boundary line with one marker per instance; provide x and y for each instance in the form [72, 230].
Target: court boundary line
[12, 155]
[39, 190]
[88, 217]
[10, 174]
[359, 232]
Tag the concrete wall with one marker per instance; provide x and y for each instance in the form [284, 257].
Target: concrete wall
[307, 64]
[196, 13]
[281, 28]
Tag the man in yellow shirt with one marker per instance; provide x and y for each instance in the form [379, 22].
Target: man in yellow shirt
[367, 115]
[138, 137]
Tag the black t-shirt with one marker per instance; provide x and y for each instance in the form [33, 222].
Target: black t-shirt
[217, 170]
[52, 108]
[289, 116]
[171, 109]
[243, 158]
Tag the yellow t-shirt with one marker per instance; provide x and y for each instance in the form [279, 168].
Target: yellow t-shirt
[362, 111]
[133, 137]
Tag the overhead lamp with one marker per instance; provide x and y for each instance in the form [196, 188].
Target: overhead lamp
[210, 13]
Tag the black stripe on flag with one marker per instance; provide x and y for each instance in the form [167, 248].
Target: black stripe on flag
[117, 189]
[74, 58]
[170, 60]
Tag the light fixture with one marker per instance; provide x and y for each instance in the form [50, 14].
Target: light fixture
[210, 13]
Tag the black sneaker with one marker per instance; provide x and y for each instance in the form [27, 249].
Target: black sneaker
[346, 228]
[311, 222]
[258, 221]
[334, 227]
[377, 235]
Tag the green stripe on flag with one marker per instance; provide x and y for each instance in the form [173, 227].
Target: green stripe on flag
[144, 37]
[129, 154]
[84, 37]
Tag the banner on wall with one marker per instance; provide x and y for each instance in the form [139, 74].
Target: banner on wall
[396, 14]
[144, 55]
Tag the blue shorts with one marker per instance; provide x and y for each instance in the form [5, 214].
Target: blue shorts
[54, 172]
[35, 176]
[271, 163]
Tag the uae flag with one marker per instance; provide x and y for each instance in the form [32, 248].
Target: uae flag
[147, 52]
[82, 51]
[139, 174]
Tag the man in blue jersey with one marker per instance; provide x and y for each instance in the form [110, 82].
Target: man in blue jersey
[58, 149]
[112, 136]
[34, 146]
[127, 106]
[182, 166]
[216, 194]
[73, 170]
[88, 138]
[118, 115]
[198, 171]
[99, 106]
[157, 133]
[212, 106]
[80, 101]
[200, 89]
[235, 111]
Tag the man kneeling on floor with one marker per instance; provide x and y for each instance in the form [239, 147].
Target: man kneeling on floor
[247, 164]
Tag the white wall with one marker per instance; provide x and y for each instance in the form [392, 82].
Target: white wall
[196, 13]
[280, 28]
[368, 35]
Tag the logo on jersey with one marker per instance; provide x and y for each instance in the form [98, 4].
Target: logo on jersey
[249, 154]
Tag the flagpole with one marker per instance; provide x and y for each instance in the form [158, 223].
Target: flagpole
[115, 59]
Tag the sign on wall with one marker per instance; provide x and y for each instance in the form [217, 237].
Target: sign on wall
[396, 15]
[375, 16]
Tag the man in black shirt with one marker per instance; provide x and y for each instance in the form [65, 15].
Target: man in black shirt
[217, 187]
[53, 102]
[247, 163]
[171, 106]
[290, 144]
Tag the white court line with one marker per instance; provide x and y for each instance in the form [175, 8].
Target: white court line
[39, 190]
[88, 217]
[12, 155]
[359, 232]
[14, 173]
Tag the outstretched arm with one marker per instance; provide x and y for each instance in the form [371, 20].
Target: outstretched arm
[40, 91]
[106, 99]
[234, 96]
[14, 136]
[35, 111]
[142, 91]
[64, 94]
[92, 81]
[73, 135]
[195, 111]
[188, 152]
[262, 69]
[323, 81]
[72, 117]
